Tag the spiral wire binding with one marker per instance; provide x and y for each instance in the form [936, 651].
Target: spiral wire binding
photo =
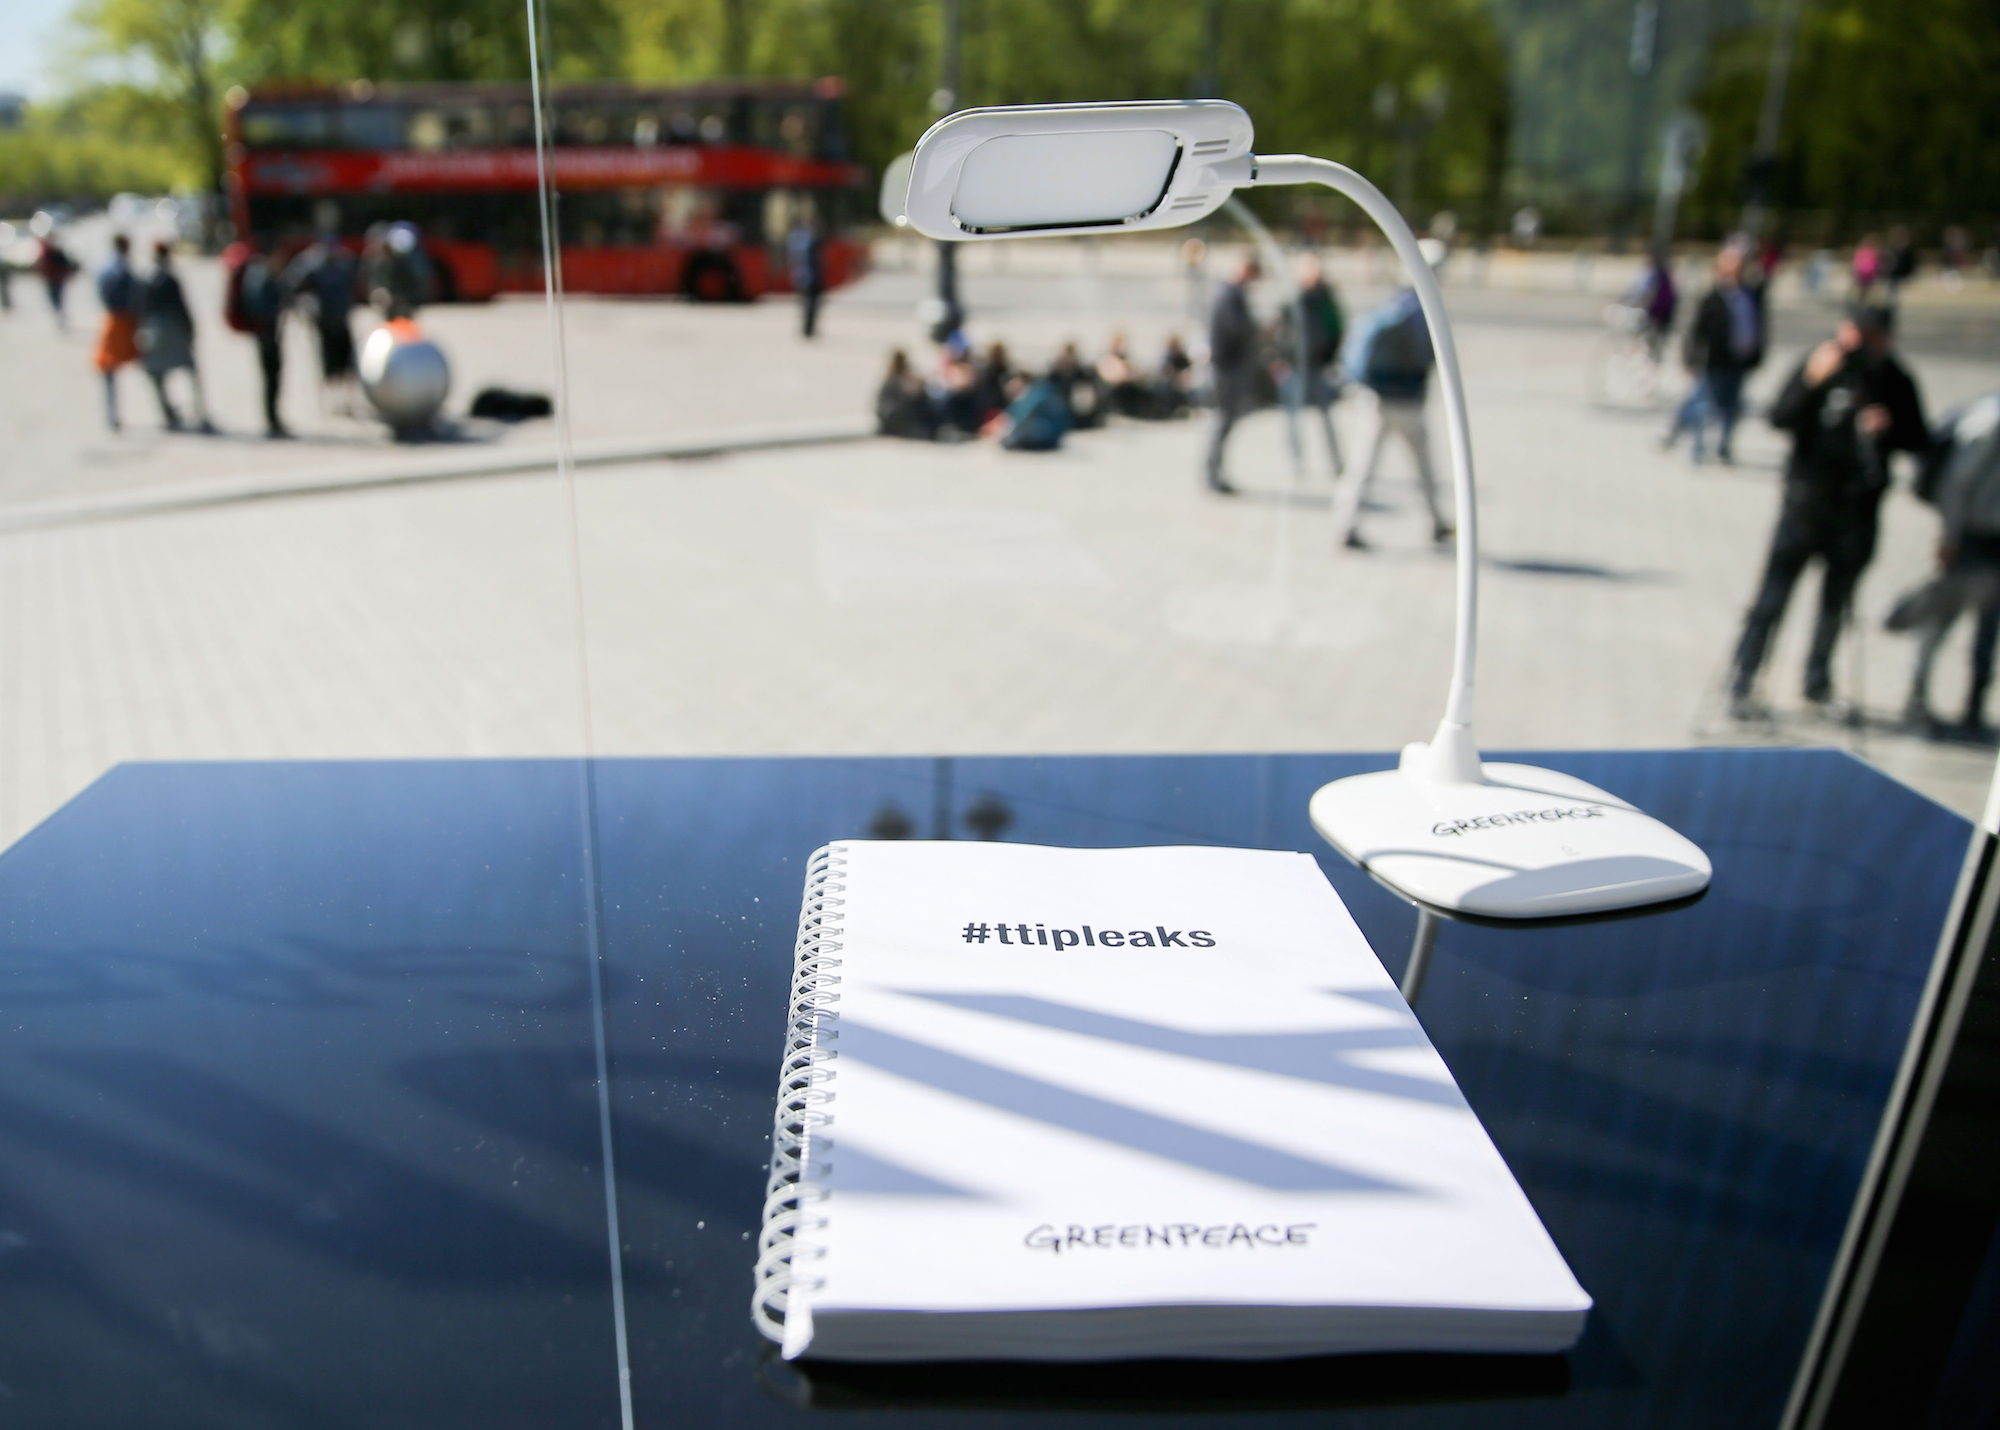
[798, 1138]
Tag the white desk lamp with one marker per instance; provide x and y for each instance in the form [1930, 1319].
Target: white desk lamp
[1444, 828]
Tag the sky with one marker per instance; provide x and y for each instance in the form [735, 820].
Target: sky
[28, 43]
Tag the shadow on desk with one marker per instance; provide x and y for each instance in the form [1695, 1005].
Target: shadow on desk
[1315, 1383]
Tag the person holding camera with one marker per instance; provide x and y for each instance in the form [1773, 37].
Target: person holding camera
[1848, 406]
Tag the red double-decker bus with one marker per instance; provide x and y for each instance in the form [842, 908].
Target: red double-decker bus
[691, 191]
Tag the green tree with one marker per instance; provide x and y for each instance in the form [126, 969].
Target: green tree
[1892, 113]
[170, 48]
[411, 40]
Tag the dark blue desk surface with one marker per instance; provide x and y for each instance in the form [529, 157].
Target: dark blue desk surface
[299, 1127]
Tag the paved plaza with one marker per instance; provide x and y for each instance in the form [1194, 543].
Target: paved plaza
[885, 597]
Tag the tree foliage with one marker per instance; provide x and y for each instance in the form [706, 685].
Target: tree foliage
[1472, 104]
[84, 150]
[172, 47]
[1892, 113]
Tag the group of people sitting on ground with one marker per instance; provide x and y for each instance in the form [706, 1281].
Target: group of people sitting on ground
[966, 396]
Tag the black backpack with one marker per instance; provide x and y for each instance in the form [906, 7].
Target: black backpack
[1401, 351]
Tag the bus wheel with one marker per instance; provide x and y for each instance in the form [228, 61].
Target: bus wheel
[713, 279]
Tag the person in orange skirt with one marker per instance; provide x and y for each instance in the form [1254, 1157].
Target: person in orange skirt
[118, 339]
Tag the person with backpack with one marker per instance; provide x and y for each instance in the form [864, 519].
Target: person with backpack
[55, 268]
[1967, 495]
[1847, 406]
[118, 339]
[255, 304]
[1317, 385]
[1390, 354]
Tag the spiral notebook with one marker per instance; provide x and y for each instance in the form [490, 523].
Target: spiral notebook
[1089, 1104]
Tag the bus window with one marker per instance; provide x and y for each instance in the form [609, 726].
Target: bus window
[686, 212]
[289, 127]
[714, 128]
[831, 143]
[470, 127]
[369, 126]
[784, 210]
[427, 129]
[788, 126]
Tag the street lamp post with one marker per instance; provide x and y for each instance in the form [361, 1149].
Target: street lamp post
[948, 310]
[1760, 174]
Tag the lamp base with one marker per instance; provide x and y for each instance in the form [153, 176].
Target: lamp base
[1521, 843]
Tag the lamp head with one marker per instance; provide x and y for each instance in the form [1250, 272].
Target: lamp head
[1048, 170]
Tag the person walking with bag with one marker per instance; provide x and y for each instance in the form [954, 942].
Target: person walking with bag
[118, 339]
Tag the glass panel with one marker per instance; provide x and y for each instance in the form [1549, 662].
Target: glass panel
[301, 1121]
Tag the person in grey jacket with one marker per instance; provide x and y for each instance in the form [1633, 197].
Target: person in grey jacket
[1232, 363]
[1968, 503]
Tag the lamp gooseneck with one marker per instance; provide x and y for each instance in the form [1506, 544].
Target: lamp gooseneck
[1451, 757]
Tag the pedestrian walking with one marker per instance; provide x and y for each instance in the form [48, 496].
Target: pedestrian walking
[806, 248]
[1391, 355]
[118, 338]
[1656, 298]
[55, 268]
[324, 275]
[1232, 364]
[1724, 344]
[255, 304]
[1847, 407]
[1968, 580]
[166, 338]
[1317, 384]
[1867, 267]
[1899, 263]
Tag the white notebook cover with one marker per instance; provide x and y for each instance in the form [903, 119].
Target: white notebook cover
[1220, 1099]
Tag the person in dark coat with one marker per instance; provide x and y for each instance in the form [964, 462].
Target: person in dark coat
[1232, 364]
[901, 408]
[256, 305]
[1724, 344]
[1317, 384]
[1848, 406]
[325, 273]
[56, 267]
[806, 250]
[166, 338]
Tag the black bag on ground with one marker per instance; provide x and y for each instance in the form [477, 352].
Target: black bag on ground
[503, 405]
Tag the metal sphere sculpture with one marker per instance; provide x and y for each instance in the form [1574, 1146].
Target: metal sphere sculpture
[404, 375]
